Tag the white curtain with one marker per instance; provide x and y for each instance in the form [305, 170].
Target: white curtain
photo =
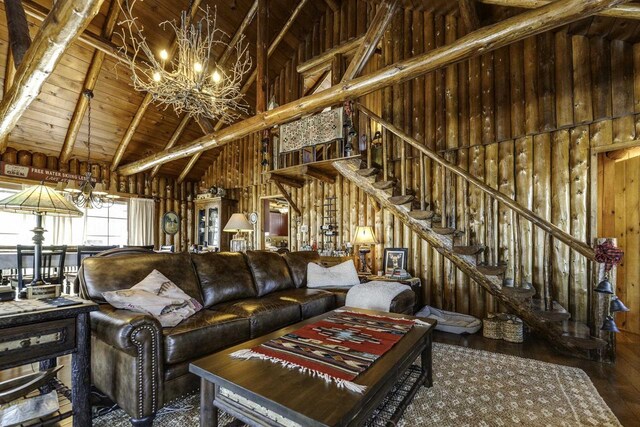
[61, 232]
[140, 222]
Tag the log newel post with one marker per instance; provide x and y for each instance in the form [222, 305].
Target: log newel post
[600, 307]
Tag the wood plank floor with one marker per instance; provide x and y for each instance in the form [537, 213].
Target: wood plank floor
[618, 384]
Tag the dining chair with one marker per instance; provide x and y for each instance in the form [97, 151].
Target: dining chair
[52, 266]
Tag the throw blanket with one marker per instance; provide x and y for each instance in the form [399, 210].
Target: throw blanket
[337, 348]
[375, 295]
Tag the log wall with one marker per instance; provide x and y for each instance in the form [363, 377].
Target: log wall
[524, 119]
[168, 194]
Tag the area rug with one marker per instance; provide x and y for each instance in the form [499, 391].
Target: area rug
[471, 388]
[337, 348]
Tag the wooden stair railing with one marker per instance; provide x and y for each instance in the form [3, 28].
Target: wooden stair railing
[550, 322]
[541, 223]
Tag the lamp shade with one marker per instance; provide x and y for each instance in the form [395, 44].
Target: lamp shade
[39, 199]
[238, 222]
[364, 236]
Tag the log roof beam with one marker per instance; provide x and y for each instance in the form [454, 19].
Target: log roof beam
[19, 38]
[174, 138]
[60, 28]
[478, 42]
[626, 11]
[89, 84]
[469, 15]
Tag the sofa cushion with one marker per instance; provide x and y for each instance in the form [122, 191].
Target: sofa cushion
[224, 276]
[202, 334]
[313, 302]
[343, 274]
[270, 272]
[297, 263]
[265, 314]
[103, 274]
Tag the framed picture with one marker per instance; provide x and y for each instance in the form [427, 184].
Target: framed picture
[395, 258]
[170, 223]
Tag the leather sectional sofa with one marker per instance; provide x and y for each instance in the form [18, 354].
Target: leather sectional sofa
[141, 365]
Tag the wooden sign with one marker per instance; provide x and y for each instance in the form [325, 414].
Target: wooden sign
[36, 174]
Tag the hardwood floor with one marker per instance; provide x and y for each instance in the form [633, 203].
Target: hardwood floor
[619, 384]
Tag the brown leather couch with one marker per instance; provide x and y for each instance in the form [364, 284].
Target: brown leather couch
[141, 365]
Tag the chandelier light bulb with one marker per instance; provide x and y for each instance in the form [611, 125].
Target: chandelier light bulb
[197, 67]
[164, 54]
[157, 77]
[216, 77]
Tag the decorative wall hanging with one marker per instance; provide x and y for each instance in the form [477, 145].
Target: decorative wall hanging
[170, 223]
[323, 127]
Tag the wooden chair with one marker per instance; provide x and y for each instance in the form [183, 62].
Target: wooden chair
[52, 268]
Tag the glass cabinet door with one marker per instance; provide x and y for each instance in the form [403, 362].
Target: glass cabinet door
[202, 225]
[214, 227]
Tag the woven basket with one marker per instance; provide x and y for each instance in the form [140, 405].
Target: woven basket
[503, 326]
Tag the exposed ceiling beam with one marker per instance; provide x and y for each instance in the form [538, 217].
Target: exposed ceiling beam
[146, 101]
[19, 38]
[374, 33]
[628, 11]
[174, 138]
[89, 84]
[9, 74]
[333, 5]
[323, 61]
[262, 70]
[475, 43]
[245, 88]
[469, 15]
[67, 19]
[283, 179]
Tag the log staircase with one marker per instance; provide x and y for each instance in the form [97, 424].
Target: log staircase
[543, 315]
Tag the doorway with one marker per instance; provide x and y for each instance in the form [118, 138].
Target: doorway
[275, 215]
[619, 217]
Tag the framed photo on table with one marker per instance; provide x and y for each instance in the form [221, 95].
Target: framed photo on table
[395, 258]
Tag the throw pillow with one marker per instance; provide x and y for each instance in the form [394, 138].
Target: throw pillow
[156, 296]
[339, 276]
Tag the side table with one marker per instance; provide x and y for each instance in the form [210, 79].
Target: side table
[413, 282]
[43, 334]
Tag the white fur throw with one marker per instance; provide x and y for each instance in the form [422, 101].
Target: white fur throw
[338, 276]
[156, 296]
[375, 295]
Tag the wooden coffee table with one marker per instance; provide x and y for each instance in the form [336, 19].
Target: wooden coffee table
[262, 393]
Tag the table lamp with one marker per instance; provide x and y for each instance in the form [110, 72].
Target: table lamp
[365, 237]
[238, 223]
[39, 200]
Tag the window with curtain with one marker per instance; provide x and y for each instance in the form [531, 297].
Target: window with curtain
[106, 226]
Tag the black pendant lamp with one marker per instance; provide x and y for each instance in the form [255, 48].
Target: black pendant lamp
[617, 305]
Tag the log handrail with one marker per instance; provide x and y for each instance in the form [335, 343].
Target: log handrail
[545, 225]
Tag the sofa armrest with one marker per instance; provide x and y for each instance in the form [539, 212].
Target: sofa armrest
[125, 330]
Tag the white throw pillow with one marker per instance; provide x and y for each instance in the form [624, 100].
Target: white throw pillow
[157, 296]
[339, 276]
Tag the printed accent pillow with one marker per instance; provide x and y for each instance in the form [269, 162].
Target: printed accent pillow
[339, 276]
[156, 296]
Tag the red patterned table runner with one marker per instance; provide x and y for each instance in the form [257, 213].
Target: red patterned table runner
[337, 348]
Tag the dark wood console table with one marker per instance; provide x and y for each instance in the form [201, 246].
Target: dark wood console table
[43, 335]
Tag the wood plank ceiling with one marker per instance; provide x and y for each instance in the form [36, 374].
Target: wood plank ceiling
[44, 125]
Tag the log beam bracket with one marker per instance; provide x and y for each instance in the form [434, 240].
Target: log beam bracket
[288, 198]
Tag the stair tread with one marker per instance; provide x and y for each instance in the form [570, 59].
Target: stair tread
[421, 215]
[469, 249]
[400, 200]
[556, 313]
[368, 172]
[579, 335]
[385, 185]
[491, 270]
[517, 292]
[445, 231]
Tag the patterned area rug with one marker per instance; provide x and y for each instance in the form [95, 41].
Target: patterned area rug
[471, 388]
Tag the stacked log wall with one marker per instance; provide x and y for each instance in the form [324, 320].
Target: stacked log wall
[524, 118]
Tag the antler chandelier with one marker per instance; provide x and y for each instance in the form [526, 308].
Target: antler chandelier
[187, 76]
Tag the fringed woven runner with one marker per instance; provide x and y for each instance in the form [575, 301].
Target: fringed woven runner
[337, 348]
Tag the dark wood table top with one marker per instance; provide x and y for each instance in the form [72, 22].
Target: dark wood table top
[269, 384]
[46, 313]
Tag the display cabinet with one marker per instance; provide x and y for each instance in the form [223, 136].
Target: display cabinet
[211, 216]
